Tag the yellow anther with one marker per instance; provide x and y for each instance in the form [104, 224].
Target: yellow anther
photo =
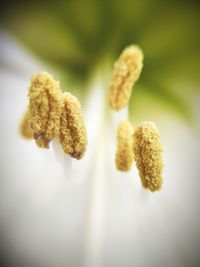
[148, 155]
[124, 153]
[25, 127]
[127, 70]
[45, 108]
[73, 136]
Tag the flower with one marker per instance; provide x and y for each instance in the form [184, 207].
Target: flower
[99, 217]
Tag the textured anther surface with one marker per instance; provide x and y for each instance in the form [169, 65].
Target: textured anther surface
[25, 127]
[124, 153]
[126, 72]
[72, 135]
[45, 107]
[148, 155]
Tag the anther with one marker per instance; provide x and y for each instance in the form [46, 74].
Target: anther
[148, 155]
[25, 127]
[124, 153]
[72, 135]
[126, 72]
[45, 108]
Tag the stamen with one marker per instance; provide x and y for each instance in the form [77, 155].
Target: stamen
[148, 155]
[126, 72]
[72, 135]
[25, 127]
[45, 108]
[124, 153]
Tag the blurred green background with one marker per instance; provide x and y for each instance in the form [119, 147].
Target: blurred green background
[77, 37]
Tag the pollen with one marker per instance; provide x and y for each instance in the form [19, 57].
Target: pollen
[148, 155]
[126, 72]
[72, 135]
[25, 127]
[124, 154]
[45, 108]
